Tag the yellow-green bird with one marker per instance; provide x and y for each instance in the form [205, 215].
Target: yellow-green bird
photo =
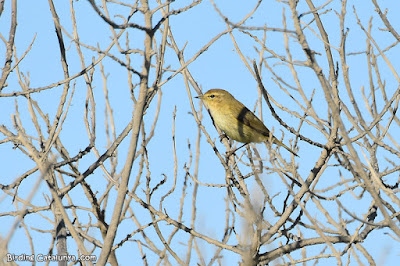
[238, 122]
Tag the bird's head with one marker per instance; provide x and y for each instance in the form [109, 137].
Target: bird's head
[216, 98]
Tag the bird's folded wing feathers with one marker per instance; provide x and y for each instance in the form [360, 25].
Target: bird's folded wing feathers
[247, 118]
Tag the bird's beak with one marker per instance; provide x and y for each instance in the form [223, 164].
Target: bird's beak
[199, 97]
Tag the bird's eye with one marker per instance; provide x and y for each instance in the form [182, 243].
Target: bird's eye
[212, 96]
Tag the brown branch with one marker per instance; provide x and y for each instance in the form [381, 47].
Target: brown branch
[266, 97]
[10, 44]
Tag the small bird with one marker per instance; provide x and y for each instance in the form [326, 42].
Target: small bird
[238, 122]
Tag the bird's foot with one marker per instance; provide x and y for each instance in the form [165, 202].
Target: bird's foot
[222, 136]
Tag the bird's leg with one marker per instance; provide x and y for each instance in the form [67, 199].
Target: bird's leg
[222, 136]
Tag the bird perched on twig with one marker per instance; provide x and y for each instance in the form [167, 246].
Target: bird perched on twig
[235, 120]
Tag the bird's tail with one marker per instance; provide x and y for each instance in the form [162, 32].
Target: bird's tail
[276, 141]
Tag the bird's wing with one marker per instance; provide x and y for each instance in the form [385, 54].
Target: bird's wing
[246, 117]
[249, 119]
